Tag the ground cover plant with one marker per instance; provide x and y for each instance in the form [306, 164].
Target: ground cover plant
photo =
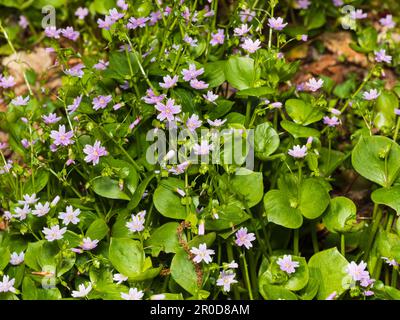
[199, 149]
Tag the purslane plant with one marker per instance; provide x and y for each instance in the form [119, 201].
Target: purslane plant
[179, 159]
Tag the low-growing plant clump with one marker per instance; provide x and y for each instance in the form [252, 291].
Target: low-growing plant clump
[202, 149]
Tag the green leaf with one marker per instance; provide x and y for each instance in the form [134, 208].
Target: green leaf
[278, 210]
[97, 230]
[315, 18]
[248, 186]
[255, 92]
[341, 217]
[127, 256]
[240, 72]
[376, 158]
[137, 196]
[101, 6]
[299, 131]
[266, 141]
[223, 107]
[272, 292]
[4, 257]
[328, 267]
[108, 188]
[41, 180]
[32, 253]
[119, 66]
[314, 198]
[229, 215]
[388, 196]
[385, 105]
[39, 4]
[183, 272]
[345, 89]
[302, 112]
[167, 201]
[388, 244]
[214, 73]
[125, 171]
[164, 238]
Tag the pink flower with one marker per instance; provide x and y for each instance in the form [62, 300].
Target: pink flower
[247, 15]
[70, 33]
[387, 21]
[115, 15]
[101, 65]
[250, 45]
[332, 296]
[94, 152]
[70, 215]
[303, 4]
[151, 98]
[106, 23]
[180, 168]
[244, 239]
[75, 104]
[88, 244]
[357, 272]
[190, 41]
[51, 118]
[154, 17]
[122, 4]
[276, 23]
[336, 112]
[81, 13]
[371, 94]
[61, 137]
[202, 253]
[193, 123]
[52, 32]
[331, 122]
[202, 149]
[286, 264]
[20, 101]
[136, 224]
[217, 38]
[210, 96]
[134, 23]
[7, 82]
[168, 110]
[192, 72]
[298, 152]
[242, 30]
[101, 102]
[358, 14]
[337, 3]
[381, 56]
[23, 22]
[276, 105]
[54, 233]
[304, 37]
[169, 82]
[198, 84]
[226, 278]
[76, 71]
[313, 84]
[216, 122]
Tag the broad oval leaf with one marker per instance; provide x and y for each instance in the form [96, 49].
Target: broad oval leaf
[108, 188]
[388, 196]
[302, 112]
[376, 158]
[127, 256]
[167, 201]
[278, 210]
[341, 216]
[314, 198]
[299, 131]
[328, 267]
[240, 72]
[266, 140]
[184, 273]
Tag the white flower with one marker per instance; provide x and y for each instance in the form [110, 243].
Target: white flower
[133, 294]
[70, 216]
[210, 96]
[41, 210]
[202, 149]
[250, 45]
[233, 265]
[82, 291]
[21, 213]
[314, 84]
[298, 151]
[202, 253]
[7, 285]
[16, 258]
[119, 278]
[158, 297]
[54, 233]
[226, 278]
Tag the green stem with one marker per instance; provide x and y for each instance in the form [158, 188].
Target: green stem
[342, 245]
[248, 112]
[376, 218]
[396, 131]
[246, 274]
[296, 242]
[394, 276]
[314, 238]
